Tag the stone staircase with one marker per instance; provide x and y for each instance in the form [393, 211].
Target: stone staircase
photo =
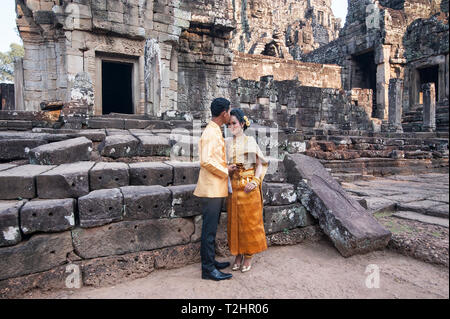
[93, 196]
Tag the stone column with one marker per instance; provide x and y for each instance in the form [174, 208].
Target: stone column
[429, 107]
[382, 56]
[18, 84]
[395, 105]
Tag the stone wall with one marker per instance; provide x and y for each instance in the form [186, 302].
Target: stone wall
[378, 42]
[253, 67]
[285, 29]
[108, 221]
[291, 104]
[66, 39]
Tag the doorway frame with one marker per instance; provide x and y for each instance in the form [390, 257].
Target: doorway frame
[100, 57]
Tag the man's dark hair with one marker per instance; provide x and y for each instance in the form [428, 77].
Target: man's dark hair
[219, 105]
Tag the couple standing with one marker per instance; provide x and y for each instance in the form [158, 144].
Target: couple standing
[232, 168]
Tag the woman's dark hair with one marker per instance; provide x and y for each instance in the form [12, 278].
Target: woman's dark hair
[219, 105]
[239, 114]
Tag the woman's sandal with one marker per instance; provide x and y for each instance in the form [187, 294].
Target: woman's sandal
[245, 268]
[238, 266]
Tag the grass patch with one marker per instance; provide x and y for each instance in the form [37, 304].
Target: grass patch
[383, 214]
[397, 228]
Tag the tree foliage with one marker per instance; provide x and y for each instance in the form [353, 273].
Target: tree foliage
[7, 62]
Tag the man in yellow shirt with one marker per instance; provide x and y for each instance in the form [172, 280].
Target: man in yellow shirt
[212, 186]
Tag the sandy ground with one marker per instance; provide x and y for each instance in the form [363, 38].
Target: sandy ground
[306, 270]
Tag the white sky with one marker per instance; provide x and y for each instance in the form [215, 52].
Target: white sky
[8, 34]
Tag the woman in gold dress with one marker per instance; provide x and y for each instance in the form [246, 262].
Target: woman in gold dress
[245, 228]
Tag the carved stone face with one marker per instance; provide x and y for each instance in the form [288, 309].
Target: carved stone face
[258, 10]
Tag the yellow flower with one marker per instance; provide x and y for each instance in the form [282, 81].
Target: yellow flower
[247, 122]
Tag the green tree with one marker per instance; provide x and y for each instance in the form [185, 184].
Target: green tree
[7, 62]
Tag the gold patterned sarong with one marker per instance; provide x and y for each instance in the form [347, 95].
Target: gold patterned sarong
[245, 227]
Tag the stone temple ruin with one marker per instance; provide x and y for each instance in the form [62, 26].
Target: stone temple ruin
[98, 145]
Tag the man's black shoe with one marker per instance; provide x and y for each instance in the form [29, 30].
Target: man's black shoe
[223, 265]
[215, 275]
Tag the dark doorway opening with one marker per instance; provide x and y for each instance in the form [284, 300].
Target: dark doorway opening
[364, 76]
[430, 75]
[117, 96]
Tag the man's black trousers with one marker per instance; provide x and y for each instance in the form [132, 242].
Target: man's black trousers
[211, 208]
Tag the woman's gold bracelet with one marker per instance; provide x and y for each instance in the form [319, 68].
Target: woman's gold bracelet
[256, 180]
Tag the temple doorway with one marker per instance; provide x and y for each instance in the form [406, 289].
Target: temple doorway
[117, 92]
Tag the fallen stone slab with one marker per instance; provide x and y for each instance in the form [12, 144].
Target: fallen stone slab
[39, 253]
[64, 181]
[282, 218]
[51, 215]
[4, 167]
[146, 202]
[426, 207]
[151, 173]
[154, 145]
[185, 172]
[131, 236]
[116, 146]
[68, 151]
[105, 175]
[9, 223]
[350, 227]
[100, 207]
[380, 204]
[19, 181]
[422, 218]
[184, 203]
[13, 149]
[277, 194]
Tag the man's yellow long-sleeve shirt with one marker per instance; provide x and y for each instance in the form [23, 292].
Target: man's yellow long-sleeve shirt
[213, 177]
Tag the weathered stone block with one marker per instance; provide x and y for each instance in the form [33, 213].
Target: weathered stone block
[100, 207]
[9, 223]
[146, 202]
[351, 228]
[40, 253]
[108, 175]
[68, 151]
[131, 236]
[13, 149]
[93, 135]
[281, 218]
[19, 182]
[116, 146]
[276, 194]
[99, 123]
[153, 145]
[276, 172]
[51, 215]
[185, 172]
[64, 181]
[184, 203]
[151, 173]
[4, 167]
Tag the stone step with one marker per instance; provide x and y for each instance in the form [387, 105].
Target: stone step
[20, 181]
[422, 218]
[67, 151]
